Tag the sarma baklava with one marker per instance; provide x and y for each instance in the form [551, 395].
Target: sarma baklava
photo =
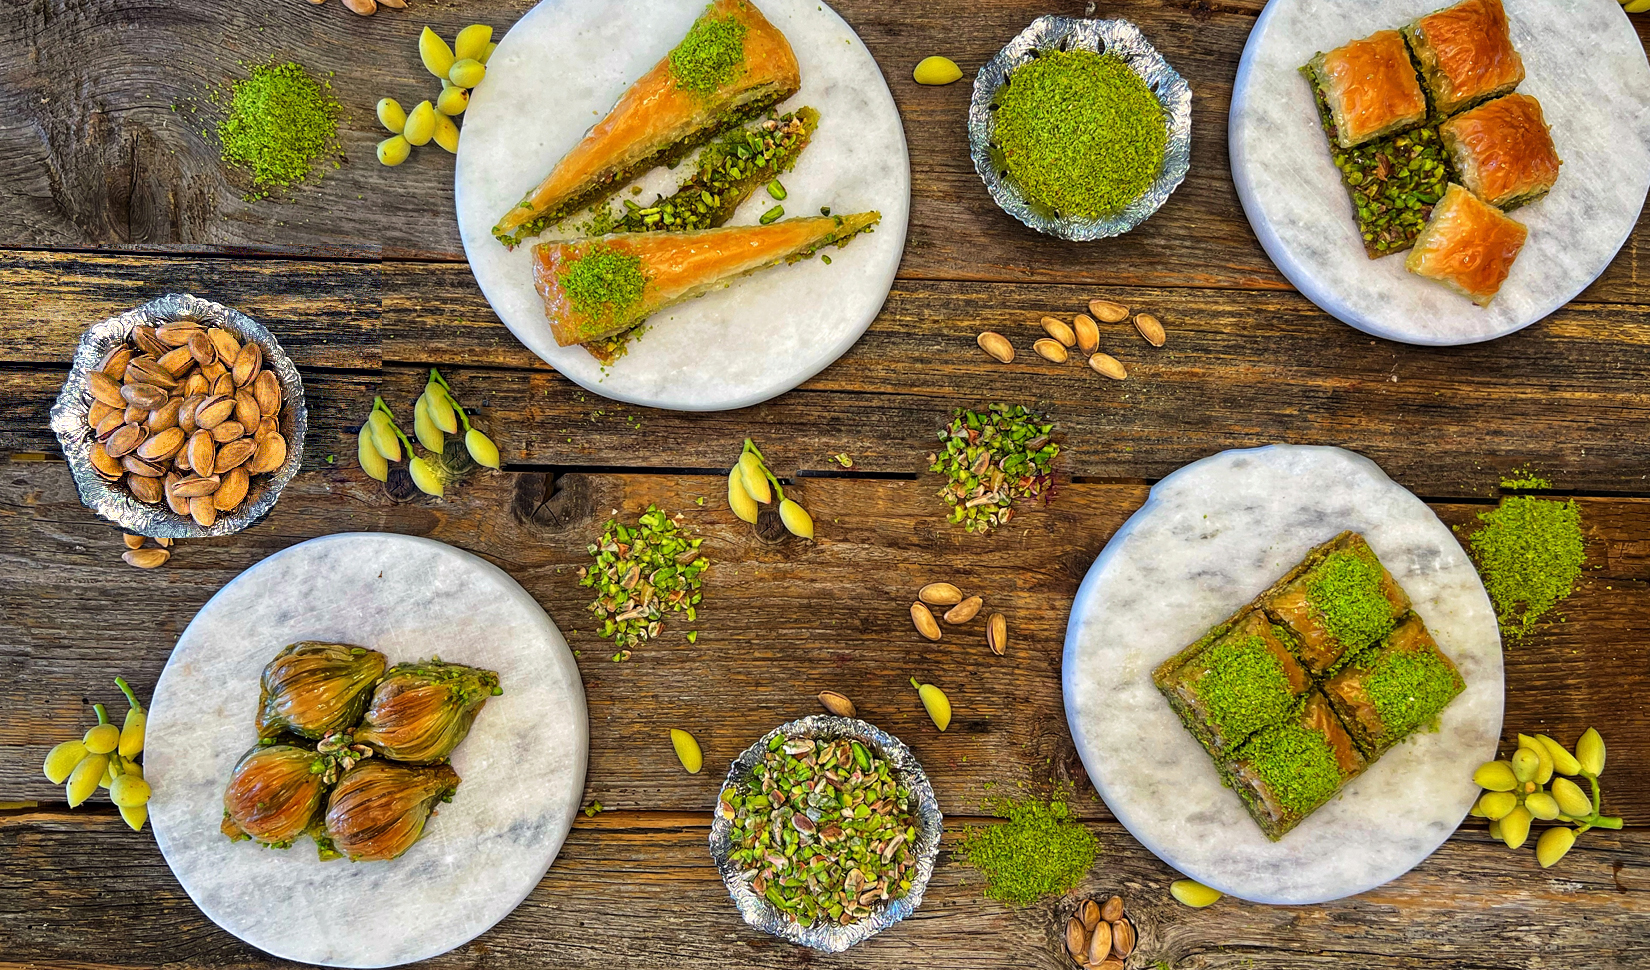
[1466, 54]
[1287, 771]
[1370, 88]
[1394, 688]
[1234, 681]
[1339, 600]
[1503, 151]
[1468, 245]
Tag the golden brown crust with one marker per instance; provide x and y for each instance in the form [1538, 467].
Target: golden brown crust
[1466, 53]
[1468, 245]
[1371, 88]
[1503, 150]
[656, 113]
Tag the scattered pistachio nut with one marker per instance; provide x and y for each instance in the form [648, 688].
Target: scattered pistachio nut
[1099, 943]
[1112, 910]
[1087, 333]
[964, 611]
[1060, 330]
[996, 345]
[923, 618]
[940, 594]
[837, 704]
[146, 558]
[936, 70]
[1077, 940]
[687, 750]
[1051, 350]
[935, 703]
[1151, 328]
[1122, 938]
[1091, 913]
[1108, 366]
[1107, 311]
[996, 633]
[1192, 893]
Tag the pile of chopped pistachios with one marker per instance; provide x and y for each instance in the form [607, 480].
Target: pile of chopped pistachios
[823, 829]
[990, 459]
[641, 573]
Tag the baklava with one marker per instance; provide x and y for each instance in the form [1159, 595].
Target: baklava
[1503, 151]
[1468, 245]
[1466, 54]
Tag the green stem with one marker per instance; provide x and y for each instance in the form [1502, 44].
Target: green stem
[750, 448]
[1605, 822]
[102, 713]
[131, 698]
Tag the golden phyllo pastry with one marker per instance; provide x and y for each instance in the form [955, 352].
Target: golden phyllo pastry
[732, 66]
[1466, 54]
[1503, 151]
[1468, 245]
[1370, 88]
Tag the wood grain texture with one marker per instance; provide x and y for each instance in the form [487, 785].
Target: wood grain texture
[1240, 369]
[779, 623]
[105, 144]
[635, 890]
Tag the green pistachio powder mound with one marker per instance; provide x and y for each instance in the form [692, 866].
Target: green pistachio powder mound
[1245, 687]
[1296, 763]
[709, 55]
[1080, 133]
[1530, 552]
[1041, 850]
[603, 282]
[279, 121]
[1347, 595]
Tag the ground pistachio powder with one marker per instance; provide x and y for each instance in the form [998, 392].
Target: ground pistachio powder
[1407, 687]
[1041, 850]
[1296, 763]
[1347, 594]
[1529, 552]
[603, 282]
[278, 122]
[1080, 133]
[1245, 687]
[710, 55]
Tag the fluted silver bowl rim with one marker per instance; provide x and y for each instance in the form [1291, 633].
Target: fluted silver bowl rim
[832, 937]
[1065, 33]
[112, 502]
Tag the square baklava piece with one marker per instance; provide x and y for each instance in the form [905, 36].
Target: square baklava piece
[1503, 151]
[1235, 680]
[1394, 688]
[1468, 245]
[1369, 87]
[1466, 55]
[1339, 600]
[1289, 770]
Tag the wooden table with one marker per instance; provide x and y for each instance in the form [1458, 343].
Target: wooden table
[111, 197]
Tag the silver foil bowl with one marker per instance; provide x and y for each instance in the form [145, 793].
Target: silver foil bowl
[1117, 37]
[832, 937]
[110, 499]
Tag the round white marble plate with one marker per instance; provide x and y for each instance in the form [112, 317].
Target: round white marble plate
[522, 765]
[1582, 60]
[1210, 537]
[559, 70]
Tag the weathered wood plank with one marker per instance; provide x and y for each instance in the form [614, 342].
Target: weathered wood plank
[779, 623]
[635, 890]
[96, 155]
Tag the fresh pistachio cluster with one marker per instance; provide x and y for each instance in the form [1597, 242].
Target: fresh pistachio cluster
[460, 67]
[751, 485]
[1517, 794]
[107, 757]
[436, 414]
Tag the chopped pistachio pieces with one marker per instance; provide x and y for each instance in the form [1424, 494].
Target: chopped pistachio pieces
[990, 459]
[641, 573]
[727, 172]
[823, 829]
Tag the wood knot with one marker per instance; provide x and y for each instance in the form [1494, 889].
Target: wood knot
[551, 502]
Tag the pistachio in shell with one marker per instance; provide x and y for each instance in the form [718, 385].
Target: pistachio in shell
[275, 794]
[379, 808]
[313, 688]
[421, 711]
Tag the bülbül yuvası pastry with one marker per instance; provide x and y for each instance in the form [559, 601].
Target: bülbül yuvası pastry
[1468, 245]
[1503, 151]
[1466, 54]
[732, 66]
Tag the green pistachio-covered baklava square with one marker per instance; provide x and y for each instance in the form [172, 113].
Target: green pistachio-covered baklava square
[1393, 688]
[1287, 771]
[1234, 681]
[1338, 601]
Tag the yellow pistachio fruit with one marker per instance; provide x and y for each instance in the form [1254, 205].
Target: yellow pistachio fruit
[1572, 801]
[687, 750]
[1553, 845]
[1590, 752]
[61, 760]
[740, 500]
[487, 54]
[425, 476]
[391, 115]
[437, 56]
[796, 519]
[1496, 776]
[420, 124]
[129, 791]
[102, 738]
[1194, 894]
[453, 101]
[1496, 804]
[135, 816]
[1495, 830]
[935, 703]
[1564, 762]
[481, 448]
[1515, 827]
[472, 41]
[131, 733]
[441, 409]
[1525, 765]
[373, 463]
[1542, 754]
[394, 150]
[936, 70]
[467, 73]
[383, 436]
[446, 133]
[756, 481]
[424, 429]
[83, 780]
[1543, 806]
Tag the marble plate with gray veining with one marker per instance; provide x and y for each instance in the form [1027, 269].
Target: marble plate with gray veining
[522, 765]
[1210, 537]
[1584, 62]
[559, 70]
